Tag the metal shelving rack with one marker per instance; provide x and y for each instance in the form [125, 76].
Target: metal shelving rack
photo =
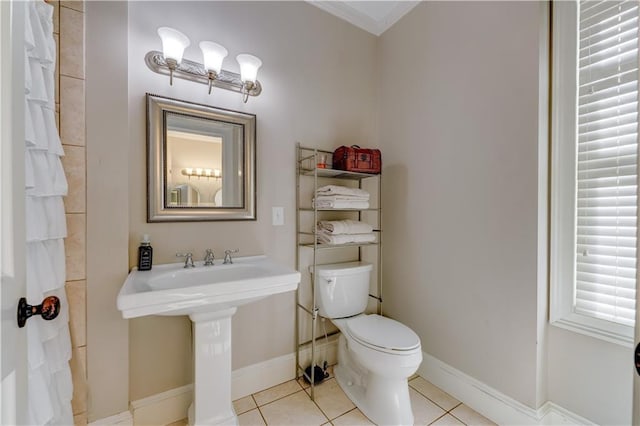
[307, 159]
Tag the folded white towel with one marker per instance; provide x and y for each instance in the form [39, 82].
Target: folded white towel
[337, 227]
[329, 203]
[343, 190]
[339, 198]
[325, 238]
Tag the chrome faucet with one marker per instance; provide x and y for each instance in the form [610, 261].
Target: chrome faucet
[227, 256]
[188, 259]
[208, 258]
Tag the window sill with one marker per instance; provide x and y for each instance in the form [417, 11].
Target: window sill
[600, 329]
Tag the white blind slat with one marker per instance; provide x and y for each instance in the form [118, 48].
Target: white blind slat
[607, 158]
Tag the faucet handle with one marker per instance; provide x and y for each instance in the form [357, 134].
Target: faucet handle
[188, 259]
[208, 257]
[227, 256]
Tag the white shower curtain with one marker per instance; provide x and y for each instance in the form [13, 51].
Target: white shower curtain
[50, 386]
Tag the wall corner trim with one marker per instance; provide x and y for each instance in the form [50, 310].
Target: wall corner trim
[490, 402]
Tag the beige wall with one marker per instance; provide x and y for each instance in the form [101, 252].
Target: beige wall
[107, 206]
[459, 131]
[318, 88]
[460, 138]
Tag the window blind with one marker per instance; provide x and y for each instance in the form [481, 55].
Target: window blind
[606, 217]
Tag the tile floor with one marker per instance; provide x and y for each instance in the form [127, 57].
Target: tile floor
[289, 404]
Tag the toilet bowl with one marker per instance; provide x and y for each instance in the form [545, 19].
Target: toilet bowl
[376, 354]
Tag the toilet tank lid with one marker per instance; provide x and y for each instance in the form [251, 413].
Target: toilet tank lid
[345, 268]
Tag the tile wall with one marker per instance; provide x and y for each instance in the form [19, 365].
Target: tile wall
[70, 102]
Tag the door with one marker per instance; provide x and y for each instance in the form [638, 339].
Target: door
[13, 352]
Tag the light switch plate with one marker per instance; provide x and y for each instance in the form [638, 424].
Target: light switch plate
[277, 216]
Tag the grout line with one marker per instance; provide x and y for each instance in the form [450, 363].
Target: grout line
[444, 414]
[437, 405]
[282, 397]
[261, 415]
[321, 410]
[73, 77]
[459, 404]
[457, 419]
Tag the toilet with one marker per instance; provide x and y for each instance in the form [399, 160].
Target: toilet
[376, 355]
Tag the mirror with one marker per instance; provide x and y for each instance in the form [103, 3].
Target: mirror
[200, 162]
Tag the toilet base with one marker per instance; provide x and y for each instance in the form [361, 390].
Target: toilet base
[384, 400]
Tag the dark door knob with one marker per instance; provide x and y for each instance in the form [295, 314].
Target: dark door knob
[48, 309]
[637, 356]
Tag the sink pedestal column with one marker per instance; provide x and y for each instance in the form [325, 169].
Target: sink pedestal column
[212, 369]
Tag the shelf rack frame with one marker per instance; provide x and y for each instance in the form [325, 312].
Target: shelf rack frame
[305, 156]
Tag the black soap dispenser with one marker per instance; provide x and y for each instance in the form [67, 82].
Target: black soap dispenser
[145, 254]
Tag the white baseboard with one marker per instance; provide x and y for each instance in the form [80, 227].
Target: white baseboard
[172, 405]
[490, 402]
[556, 415]
[123, 419]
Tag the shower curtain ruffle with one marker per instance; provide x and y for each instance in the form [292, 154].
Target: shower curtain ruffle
[50, 387]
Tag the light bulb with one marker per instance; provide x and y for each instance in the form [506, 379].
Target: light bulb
[249, 66]
[173, 43]
[213, 54]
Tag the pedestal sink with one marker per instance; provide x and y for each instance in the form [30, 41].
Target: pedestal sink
[209, 295]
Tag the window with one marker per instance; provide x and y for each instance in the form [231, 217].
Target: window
[594, 167]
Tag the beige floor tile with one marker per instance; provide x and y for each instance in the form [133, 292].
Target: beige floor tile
[251, 418]
[447, 420]
[296, 409]
[243, 405]
[352, 418]
[331, 399]
[435, 394]
[276, 392]
[469, 416]
[424, 411]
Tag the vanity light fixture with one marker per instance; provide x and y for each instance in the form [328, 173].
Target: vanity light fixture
[201, 172]
[170, 62]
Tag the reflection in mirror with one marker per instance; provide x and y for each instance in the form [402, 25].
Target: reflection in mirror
[204, 159]
[201, 162]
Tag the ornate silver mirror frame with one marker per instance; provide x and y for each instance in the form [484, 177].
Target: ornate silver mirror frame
[161, 204]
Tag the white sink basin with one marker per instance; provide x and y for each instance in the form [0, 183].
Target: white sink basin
[172, 289]
[210, 296]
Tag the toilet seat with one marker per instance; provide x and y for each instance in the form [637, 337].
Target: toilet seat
[383, 334]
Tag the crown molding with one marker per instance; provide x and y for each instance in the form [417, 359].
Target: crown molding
[361, 20]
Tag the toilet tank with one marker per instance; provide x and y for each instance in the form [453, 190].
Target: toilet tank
[342, 289]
